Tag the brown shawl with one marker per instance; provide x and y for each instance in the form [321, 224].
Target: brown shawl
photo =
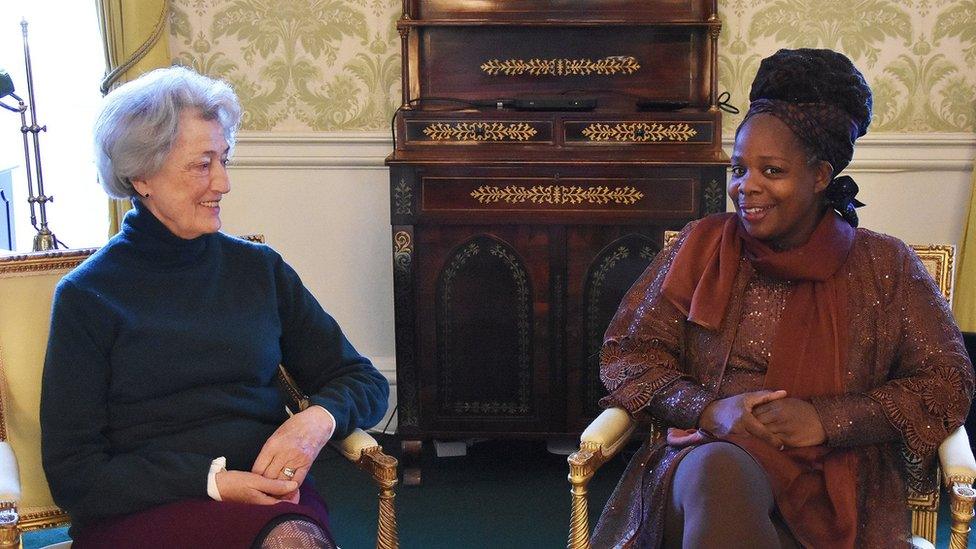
[814, 487]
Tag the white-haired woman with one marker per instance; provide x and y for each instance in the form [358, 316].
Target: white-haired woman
[161, 422]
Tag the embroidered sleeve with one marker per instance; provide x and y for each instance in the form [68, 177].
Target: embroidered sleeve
[931, 381]
[854, 420]
[639, 361]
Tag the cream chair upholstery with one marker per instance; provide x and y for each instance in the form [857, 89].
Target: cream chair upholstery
[27, 285]
[612, 429]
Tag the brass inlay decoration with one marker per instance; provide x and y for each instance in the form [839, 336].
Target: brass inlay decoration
[556, 194]
[607, 66]
[480, 131]
[403, 198]
[639, 132]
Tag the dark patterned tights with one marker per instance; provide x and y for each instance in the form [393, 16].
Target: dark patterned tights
[720, 497]
[296, 534]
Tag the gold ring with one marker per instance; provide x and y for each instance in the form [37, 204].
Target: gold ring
[288, 472]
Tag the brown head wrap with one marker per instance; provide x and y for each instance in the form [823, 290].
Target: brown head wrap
[822, 97]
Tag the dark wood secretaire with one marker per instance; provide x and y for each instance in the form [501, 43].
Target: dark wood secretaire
[542, 149]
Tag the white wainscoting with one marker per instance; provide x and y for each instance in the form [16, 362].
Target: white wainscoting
[322, 201]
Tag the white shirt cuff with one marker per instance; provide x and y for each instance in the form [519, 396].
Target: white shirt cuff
[216, 466]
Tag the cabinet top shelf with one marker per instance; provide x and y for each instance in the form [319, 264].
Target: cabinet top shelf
[405, 23]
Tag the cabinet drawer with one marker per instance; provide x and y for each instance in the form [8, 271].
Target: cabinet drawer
[467, 132]
[656, 197]
[642, 132]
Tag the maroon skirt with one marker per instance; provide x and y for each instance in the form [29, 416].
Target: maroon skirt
[199, 522]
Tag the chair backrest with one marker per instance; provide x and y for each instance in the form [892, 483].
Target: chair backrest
[27, 285]
[939, 261]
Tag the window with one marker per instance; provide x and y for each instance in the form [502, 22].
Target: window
[67, 62]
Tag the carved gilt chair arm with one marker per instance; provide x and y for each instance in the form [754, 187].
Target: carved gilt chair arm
[9, 496]
[362, 449]
[601, 440]
[959, 471]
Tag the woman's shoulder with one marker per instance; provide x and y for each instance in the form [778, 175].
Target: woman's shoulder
[880, 246]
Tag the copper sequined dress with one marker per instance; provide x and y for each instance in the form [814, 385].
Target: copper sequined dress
[908, 383]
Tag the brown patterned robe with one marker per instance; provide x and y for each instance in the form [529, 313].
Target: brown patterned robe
[909, 382]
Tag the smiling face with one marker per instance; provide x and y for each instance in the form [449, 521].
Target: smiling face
[185, 193]
[778, 194]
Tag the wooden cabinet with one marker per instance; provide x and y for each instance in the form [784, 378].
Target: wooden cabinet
[517, 232]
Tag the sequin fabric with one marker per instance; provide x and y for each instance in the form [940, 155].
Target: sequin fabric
[909, 382]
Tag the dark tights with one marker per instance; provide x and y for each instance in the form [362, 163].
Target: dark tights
[721, 497]
[296, 533]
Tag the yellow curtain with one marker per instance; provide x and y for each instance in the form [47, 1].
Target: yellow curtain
[964, 300]
[136, 41]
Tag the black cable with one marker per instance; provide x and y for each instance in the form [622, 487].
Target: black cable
[723, 103]
[393, 413]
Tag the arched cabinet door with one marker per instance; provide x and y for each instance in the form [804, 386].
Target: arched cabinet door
[604, 262]
[485, 294]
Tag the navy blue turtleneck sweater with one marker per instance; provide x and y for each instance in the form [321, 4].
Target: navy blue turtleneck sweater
[162, 357]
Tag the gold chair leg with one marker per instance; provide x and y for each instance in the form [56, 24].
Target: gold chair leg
[582, 466]
[383, 469]
[9, 531]
[961, 500]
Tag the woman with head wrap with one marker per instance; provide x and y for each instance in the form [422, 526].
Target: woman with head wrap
[162, 424]
[809, 369]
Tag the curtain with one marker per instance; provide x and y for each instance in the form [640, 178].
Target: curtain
[136, 41]
[964, 301]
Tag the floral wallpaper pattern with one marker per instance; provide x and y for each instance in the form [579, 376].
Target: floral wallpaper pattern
[328, 65]
[918, 55]
[297, 65]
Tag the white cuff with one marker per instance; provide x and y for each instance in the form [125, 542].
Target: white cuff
[216, 466]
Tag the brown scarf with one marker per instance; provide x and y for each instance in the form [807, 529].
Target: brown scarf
[814, 487]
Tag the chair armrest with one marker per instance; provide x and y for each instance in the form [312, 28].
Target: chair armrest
[9, 475]
[353, 445]
[956, 457]
[609, 431]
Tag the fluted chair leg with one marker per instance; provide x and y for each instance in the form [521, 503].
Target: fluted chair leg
[961, 500]
[582, 466]
[383, 469]
[9, 531]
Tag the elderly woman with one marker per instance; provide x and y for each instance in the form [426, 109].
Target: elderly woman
[162, 424]
[809, 369]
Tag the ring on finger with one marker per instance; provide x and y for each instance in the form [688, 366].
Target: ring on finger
[288, 472]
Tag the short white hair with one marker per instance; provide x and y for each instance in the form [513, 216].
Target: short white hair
[139, 120]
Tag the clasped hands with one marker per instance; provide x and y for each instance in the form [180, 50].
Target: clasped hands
[772, 416]
[294, 445]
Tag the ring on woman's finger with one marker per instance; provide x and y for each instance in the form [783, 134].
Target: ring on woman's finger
[288, 472]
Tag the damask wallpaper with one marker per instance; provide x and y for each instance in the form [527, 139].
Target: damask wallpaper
[330, 65]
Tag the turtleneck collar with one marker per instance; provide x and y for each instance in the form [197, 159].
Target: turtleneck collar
[154, 243]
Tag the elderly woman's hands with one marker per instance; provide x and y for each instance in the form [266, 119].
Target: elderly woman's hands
[796, 422]
[295, 445]
[734, 416]
[246, 487]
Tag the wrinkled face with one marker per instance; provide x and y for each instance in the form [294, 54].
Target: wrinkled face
[777, 193]
[185, 194]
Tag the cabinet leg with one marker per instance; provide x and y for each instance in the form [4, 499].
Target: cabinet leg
[412, 449]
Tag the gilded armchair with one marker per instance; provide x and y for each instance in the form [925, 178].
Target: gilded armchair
[27, 285]
[612, 429]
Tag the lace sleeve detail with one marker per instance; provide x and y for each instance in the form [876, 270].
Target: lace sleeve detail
[640, 358]
[930, 386]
